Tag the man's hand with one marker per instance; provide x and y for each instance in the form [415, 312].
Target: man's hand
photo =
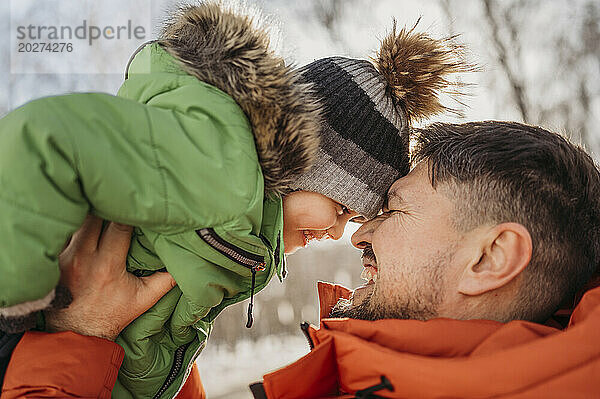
[106, 298]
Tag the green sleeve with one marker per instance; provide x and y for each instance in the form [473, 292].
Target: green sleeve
[129, 162]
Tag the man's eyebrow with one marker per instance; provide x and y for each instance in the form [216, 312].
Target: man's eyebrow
[393, 195]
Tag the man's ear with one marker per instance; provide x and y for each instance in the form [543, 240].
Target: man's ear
[504, 252]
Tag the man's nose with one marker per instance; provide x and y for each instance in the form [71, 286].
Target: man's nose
[362, 237]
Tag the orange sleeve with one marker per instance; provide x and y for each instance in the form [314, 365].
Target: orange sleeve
[62, 365]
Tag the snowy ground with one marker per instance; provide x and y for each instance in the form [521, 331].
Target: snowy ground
[227, 371]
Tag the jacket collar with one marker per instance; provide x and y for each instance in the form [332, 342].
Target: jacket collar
[329, 294]
[350, 355]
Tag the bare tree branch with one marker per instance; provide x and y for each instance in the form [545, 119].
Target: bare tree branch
[503, 58]
[447, 9]
[328, 13]
[584, 100]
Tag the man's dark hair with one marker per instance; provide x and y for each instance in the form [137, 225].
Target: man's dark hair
[499, 172]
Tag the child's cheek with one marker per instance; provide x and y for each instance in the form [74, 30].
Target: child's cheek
[321, 218]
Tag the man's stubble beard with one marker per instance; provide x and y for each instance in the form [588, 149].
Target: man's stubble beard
[421, 304]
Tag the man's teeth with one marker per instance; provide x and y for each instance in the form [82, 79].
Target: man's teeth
[369, 274]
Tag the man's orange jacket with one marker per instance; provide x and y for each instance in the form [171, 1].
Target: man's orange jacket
[443, 358]
[432, 359]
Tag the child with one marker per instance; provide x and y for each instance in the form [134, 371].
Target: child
[208, 132]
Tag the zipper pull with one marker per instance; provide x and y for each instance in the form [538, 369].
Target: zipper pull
[304, 327]
[259, 267]
[284, 271]
[370, 392]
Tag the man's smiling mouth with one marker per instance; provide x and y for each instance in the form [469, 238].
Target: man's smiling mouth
[369, 274]
[370, 270]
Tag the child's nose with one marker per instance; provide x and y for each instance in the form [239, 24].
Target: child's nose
[337, 230]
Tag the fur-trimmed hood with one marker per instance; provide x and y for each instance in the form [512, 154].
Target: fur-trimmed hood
[225, 49]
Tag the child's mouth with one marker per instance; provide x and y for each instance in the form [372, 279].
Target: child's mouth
[309, 236]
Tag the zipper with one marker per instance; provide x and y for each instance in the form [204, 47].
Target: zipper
[189, 367]
[265, 241]
[276, 254]
[231, 251]
[304, 327]
[175, 369]
[255, 263]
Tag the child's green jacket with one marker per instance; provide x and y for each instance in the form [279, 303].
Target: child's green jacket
[205, 135]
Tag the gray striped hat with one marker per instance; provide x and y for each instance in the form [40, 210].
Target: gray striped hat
[368, 108]
[364, 137]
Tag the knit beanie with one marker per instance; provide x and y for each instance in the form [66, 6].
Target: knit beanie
[368, 108]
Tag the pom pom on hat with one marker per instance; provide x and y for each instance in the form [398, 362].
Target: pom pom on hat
[416, 68]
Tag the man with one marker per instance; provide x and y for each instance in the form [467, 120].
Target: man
[497, 221]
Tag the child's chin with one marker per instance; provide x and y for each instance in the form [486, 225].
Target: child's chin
[293, 249]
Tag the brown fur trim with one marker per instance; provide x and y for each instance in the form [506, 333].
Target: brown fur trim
[416, 68]
[226, 50]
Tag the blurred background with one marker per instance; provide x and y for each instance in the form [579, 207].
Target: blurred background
[540, 64]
